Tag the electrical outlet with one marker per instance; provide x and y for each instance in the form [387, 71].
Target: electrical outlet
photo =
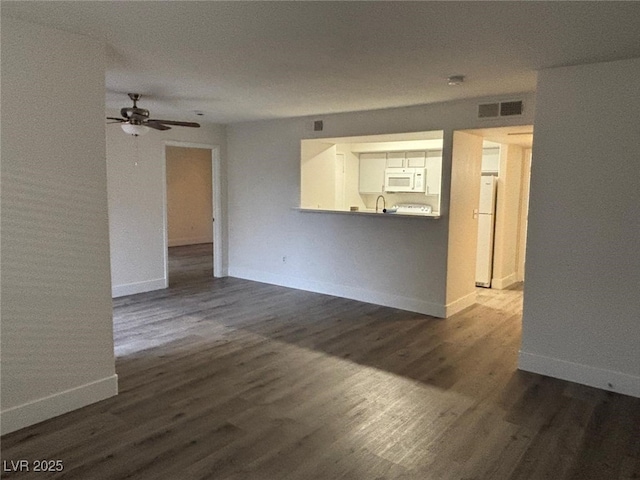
[284, 259]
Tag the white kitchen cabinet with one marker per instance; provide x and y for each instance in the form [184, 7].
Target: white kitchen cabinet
[416, 159]
[396, 160]
[434, 172]
[406, 159]
[372, 167]
[491, 160]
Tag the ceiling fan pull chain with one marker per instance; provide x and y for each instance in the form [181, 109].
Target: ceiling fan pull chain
[136, 148]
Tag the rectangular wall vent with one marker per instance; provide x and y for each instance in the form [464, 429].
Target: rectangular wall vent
[488, 110]
[318, 125]
[500, 109]
[508, 109]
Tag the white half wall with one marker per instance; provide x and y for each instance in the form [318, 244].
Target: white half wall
[400, 262]
[582, 302]
[57, 333]
[136, 186]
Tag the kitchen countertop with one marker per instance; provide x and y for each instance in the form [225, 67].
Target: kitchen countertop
[367, 212]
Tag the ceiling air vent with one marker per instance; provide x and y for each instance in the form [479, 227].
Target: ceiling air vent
[488, 110]
[500, 109]
[508, 109]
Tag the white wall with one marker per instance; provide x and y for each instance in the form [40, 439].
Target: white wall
[505, 254]
[387, 260]
[524, 213]
[463, 223]
[57, 336]
[189, 201]
[352, 196]
[318, 175]
[582, 303]
[136, 185]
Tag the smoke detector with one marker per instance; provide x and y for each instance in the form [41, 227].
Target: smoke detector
[455, 80]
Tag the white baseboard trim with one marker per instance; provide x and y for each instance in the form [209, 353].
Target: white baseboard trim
[343, 291]
[506, 282]
[460, 304]
[138, 287]
[179, 242]
[45, 408]
[584, 374]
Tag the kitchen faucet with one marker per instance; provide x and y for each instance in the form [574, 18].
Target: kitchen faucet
[384, 203]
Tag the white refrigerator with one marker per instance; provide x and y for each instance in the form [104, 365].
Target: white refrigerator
[486, 220]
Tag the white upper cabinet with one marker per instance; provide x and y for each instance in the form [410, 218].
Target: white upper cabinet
[406, 159]
[372, 167]
[396, 160]
[434, 172]
[491, 160]
[416, 159]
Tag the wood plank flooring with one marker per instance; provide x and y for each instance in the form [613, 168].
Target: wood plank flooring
[231, 379]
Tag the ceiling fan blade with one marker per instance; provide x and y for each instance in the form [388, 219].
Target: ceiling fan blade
[173, 122]
[156, 125]
[121, 120]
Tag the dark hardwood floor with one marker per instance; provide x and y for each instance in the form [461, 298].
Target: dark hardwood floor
[190, 263]
[231, 379]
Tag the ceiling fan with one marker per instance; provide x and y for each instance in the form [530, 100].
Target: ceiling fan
[135, 121]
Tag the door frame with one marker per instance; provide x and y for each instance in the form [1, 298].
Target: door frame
[216, 199]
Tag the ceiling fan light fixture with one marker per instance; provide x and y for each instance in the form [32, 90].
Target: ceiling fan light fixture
[135, 130]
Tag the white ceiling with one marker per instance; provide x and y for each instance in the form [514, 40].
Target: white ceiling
[239, 60]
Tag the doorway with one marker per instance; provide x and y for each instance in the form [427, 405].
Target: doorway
[192, 211]
[507, 158]
[512, 166]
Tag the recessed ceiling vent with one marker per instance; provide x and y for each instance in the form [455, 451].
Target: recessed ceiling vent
[500, 109]
[507, 109]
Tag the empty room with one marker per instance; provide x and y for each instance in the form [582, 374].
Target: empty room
[253, 240]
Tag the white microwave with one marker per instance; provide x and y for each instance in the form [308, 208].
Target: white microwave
[404, 180]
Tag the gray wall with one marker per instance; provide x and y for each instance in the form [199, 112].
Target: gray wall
[582, 296]
[137, 202]
[400, 262]
[57, 340]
